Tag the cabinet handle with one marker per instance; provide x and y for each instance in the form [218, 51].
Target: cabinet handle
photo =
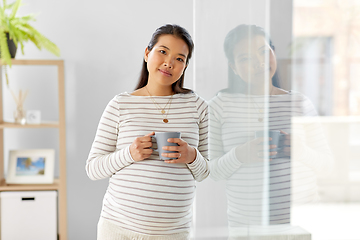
[28, 199]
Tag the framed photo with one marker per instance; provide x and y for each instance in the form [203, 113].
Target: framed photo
[31, 166]
[33, 116]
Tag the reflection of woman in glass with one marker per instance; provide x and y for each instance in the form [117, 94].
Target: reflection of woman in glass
[149, 198]
[262, 180]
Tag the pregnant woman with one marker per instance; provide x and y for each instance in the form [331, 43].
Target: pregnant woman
[149, 198]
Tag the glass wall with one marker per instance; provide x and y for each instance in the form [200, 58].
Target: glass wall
[281, 80]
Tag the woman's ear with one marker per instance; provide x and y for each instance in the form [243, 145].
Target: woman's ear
[146, 54]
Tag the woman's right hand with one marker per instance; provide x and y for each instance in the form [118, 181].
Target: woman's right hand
[140, 149]
[253, 151]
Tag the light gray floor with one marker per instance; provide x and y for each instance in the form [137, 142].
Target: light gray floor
[324, 221]
[329, 221]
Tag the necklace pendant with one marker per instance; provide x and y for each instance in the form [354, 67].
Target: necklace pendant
[260, 119]
[163, 111]
[165, 120]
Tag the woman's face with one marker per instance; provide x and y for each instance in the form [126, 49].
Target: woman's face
[250, 60]
[166, 62]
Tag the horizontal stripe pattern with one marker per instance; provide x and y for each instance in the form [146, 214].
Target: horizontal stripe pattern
[149, 197]
[234, 119]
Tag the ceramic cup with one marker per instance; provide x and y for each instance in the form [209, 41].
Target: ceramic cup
[161, 140]
[277, 139]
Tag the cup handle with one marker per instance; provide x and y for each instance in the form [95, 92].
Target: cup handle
[155, 150]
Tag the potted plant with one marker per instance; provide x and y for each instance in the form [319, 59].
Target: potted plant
[16, 30]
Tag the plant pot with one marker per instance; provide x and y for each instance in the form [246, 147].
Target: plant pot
[12, 46]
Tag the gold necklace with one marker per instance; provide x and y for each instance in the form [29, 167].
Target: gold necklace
[162, 110]
[260, 111]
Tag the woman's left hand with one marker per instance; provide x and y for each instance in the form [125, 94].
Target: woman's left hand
[183, 153]
[286, 145]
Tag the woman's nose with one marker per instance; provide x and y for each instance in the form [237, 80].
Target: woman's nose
[260, 65]
[168, 63]
[259, 62]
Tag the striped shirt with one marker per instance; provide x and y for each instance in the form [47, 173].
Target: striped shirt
[150, 196]
[258, 191]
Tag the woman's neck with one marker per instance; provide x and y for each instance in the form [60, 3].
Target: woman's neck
[262, 90]
[151, 90]
[158, 90]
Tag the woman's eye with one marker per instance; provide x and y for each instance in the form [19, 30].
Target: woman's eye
[162, 51]
[180, 60]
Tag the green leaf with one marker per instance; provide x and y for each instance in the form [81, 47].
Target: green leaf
[15, 8]
[42, 41]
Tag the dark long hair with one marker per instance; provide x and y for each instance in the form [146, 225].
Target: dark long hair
[178, 32]
[243, 31]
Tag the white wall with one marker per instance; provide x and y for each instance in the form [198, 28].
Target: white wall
[102, 44]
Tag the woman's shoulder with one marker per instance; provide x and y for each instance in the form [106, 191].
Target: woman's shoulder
[125, 98]
[194, 101]
[295, 95]
[118, 96]
[126, 95]
[123, 95]
[229, 97]
[191, 97]
[302, 101]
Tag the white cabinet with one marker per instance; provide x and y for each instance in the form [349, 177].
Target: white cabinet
[29, 215]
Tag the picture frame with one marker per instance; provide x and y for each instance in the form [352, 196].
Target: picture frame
[33, 117]
[31, 166]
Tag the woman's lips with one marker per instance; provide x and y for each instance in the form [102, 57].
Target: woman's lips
[166, 73]
[263, 71]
